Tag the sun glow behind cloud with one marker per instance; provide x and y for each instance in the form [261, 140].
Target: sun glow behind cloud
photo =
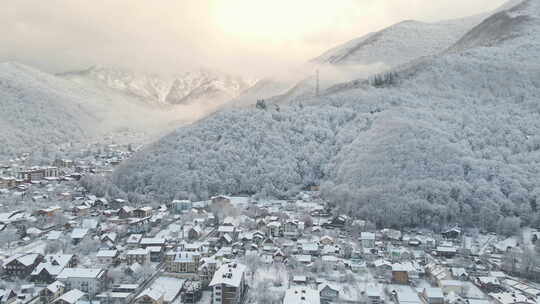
[256, 37]
[281, 19]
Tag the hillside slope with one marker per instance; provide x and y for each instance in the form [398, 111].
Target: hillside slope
[362, 57]
[400, 43]
[38, 109]
[456, 139]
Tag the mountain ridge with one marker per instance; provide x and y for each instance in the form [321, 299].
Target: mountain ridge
[184, 88]
[453, 139]
[39, 109]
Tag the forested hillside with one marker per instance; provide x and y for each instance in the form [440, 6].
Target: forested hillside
[454, 137]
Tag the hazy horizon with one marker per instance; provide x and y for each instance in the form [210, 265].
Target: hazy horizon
[251, 38]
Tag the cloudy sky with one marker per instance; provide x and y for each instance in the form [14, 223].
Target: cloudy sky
[254, 37]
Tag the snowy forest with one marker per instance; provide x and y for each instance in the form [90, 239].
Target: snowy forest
[454, 138]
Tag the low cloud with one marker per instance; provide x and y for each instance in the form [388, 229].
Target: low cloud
[232, 35]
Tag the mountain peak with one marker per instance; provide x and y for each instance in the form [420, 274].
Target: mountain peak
[512, 20]
[202, 84]
[399, 43]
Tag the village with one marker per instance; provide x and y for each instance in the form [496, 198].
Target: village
[62, 244]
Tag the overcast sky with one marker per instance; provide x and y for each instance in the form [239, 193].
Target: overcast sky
[254, 37]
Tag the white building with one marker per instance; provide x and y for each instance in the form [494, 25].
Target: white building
[229, 284]
[301, 294]
[89, 280]
[367, 239]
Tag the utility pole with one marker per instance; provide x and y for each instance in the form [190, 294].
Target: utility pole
[317, 84]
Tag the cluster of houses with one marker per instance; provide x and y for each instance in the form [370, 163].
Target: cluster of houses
[88, 249]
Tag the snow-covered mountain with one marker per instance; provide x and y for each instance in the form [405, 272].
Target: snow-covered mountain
[400, 43]
[145, 86]
[202, 85]
[454, 137]
[361, 57]
[37, 109]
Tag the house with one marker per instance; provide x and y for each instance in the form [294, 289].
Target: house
[402, 294]
[400, 274]
[446, 251]
[452, 233]
[278, 256]
[7, 182]
[139, 225]
[221, 200]
[191, 291]
[139, 255]
[367, 239]
[229, 284]
[373, 294]
[510, 298]
[49, 212]
[300, 280]
[391, 234]
[185, 262]
[489, 284]
[125, 212]
[194, 247]
[156, 253]
[22, 265]
[225, 240]
[506, 245]
[51, 292]
[63, 163]
[227, 229]
[109, 237]
[331, 261]
[90, 224]
[142, 212]
[151, 296]
[310, 249]
[54, 235]
[113, 297]
[449, 286]
[207, 269]
[51, 266]
[338, 221]
[81, 210]
[459, 273]
[7, 296]
[152, 242]
[301, 294]
[433, 295]
[78, 234]
[438, 273]
[328, 293]
[107, 257]
[327, 240]
[303, 258]
[180, 206]
[88, 280]
[273, 229]
[134, 240]
[292, 229]
[101, 203]
[128, 288]
[70, 297]
[194, 232]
